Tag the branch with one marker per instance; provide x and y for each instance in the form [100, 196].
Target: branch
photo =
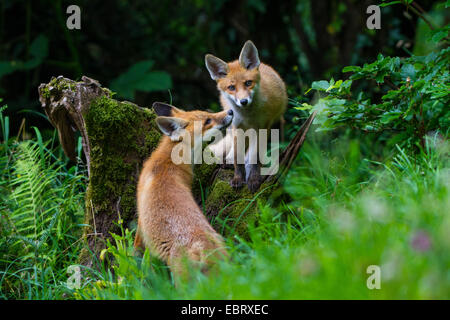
[416, 8]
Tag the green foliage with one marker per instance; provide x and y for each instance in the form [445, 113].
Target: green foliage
[38, 52]
[129, 276]
[310, 35]
[139, 77]
[402, 99]
[40, 215]
[440, 34]
[345, 217]
[415, 97]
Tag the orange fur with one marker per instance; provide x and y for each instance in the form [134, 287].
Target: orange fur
[256, 94]
[270, 101]
[170, 223]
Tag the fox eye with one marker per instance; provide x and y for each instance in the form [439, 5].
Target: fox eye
[207, 121]
[231, 88]
[248, 83]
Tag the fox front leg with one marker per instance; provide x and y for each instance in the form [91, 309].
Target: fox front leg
[239, 176]
[254, 178]
[253, 168]
[239, 164]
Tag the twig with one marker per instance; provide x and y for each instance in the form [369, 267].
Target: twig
[416, 11]
[291, 152]
[391, 84]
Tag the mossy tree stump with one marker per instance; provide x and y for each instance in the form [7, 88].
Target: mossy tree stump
[117, 136]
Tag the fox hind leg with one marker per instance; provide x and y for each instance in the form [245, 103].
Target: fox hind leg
[138, 242]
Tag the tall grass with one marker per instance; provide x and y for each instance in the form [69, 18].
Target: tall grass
[347, 213]
[41, 213]
[350, 208]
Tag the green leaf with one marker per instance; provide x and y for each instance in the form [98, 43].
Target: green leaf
[38, 51]
[439, 35]
[408, 70]
[322, 85]
[39, 47]
[351, 69]
[304, 106]
[389, 3]
[140, 77]
[389, 117]
[155, 81]
[7, 67]
[335, 85]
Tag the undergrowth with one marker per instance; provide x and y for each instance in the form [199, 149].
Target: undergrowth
[41, 212]
[349, 213]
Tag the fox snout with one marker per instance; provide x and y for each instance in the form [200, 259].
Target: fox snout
[242, 98]
[228, 118]
[244, 101]
[226, 121]
[176, 123]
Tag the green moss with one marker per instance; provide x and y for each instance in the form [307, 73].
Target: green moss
[58, 84]
[203, 174]
[45, 92]
[114, 169]
[232, 210]
[61, 84]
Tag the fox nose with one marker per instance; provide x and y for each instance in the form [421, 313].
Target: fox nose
[230, 112]
[244, 102]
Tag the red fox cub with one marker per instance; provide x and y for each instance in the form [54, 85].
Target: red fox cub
[257, 95]
[170, 223]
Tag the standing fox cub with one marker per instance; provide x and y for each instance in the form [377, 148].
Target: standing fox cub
[170, 223]
[257, 95]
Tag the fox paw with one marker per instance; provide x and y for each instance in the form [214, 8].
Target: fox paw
[253, 183]
[237, 182]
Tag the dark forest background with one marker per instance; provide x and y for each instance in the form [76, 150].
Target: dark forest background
[304, 40]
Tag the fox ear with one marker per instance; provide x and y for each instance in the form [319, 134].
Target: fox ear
[164, 109]
[249, 57]
[217, 68]
[171, 127]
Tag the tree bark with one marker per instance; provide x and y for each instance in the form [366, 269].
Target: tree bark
[117, 136]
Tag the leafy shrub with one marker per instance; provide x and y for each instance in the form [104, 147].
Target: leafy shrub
[415, 100]
[403, 98]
